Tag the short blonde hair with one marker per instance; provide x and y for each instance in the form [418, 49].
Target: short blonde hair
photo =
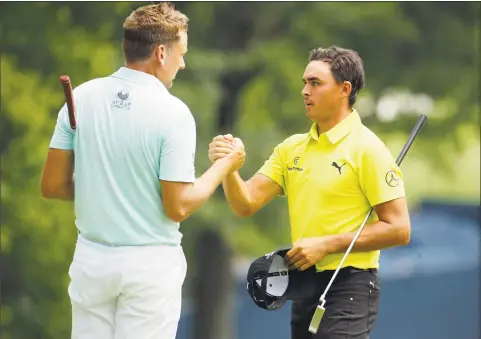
[150, 26]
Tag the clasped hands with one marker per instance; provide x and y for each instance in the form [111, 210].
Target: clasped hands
[226, 146]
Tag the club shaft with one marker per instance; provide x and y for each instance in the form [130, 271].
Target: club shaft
[414, 133]
[402, 154]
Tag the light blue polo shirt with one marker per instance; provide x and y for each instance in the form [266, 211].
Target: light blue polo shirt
[131, 133]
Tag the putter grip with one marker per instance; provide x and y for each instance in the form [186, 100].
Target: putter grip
[67, 90]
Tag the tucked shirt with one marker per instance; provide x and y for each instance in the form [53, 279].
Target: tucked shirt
[332, 180]
[131, 133]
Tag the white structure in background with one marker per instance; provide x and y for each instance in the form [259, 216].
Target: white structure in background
[394, 103]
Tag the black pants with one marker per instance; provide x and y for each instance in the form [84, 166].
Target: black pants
[352, 305]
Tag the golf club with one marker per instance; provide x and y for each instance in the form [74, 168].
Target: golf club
[67, 90]
[320, 310]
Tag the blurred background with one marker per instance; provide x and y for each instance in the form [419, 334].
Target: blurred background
[244, 76]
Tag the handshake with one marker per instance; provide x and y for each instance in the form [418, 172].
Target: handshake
[229, 149]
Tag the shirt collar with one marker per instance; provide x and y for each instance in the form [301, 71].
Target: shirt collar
[339, 131]
[138, 77]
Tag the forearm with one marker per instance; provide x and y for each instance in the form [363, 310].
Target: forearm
[237, 194]
[374, 236]
[65, 192]
[197, 194]
[68, 193]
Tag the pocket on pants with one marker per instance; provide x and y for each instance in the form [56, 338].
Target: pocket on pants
[92, 281]
[152, 289]
[84, 288]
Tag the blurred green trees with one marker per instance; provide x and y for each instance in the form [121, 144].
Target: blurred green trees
[243, 76]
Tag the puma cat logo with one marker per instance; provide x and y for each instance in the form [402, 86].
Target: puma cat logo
[337, 166]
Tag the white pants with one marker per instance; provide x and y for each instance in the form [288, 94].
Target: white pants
[126, 292]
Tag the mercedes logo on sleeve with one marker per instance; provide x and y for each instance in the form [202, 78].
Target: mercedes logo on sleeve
[392, 179]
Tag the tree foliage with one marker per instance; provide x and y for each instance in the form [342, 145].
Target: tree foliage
[243, 76]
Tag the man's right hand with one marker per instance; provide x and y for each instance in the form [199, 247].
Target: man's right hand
[237, 155]
[245, 198]
[220, 147]
[226, 146]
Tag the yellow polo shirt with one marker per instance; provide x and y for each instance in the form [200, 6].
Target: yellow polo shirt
[331, 180]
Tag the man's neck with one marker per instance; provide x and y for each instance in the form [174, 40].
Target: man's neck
[145, 67]
[141, 67]
[326, 125]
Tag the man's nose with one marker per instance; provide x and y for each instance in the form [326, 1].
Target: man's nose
[305, 92]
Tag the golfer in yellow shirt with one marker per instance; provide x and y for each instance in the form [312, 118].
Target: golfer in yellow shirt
[331, 176]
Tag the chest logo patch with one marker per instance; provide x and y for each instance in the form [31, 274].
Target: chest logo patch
[295, 166]
[338, 167]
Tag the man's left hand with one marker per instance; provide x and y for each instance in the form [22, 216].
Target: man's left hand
[306, 252]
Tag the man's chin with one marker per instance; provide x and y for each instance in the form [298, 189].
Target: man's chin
[171, 82]
[309, 114]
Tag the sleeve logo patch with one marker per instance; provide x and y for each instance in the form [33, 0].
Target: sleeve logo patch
[392, 179]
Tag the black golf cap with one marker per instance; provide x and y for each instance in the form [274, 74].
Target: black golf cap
[270, 283]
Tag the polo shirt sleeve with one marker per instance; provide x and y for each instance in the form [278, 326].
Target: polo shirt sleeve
[177, 157]
[273, 168]
[380, 177]
[63, 134]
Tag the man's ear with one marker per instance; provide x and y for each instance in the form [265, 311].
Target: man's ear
[346, 89]
[160, 52]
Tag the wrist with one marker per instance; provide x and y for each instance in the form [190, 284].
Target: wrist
[227, 164]
[333, 243]
[232, 174]
[224, 161]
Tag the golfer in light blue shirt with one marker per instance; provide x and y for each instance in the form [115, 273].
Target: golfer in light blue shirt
[133, 157]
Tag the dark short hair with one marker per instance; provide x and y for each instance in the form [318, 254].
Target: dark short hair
[150, 26]
[346, 65]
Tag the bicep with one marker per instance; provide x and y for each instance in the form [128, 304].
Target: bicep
[172, 192]
[262, 190]
[394, 212]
